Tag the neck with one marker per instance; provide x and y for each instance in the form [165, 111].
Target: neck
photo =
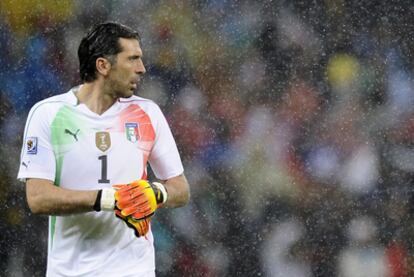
[95, 98]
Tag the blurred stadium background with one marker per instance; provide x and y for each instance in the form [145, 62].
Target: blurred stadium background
[294, 119]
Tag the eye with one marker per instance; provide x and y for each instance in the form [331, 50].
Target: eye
[134, 58]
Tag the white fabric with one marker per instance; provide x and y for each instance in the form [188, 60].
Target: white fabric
[108, 199]
[61, 144]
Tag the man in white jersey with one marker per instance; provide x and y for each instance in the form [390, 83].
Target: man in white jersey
[82, 154]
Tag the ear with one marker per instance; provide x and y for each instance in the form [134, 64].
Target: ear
[103, 66]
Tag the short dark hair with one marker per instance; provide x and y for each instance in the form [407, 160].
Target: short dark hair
[101, 41]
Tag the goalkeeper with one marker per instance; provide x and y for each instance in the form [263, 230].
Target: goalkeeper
[84, 160]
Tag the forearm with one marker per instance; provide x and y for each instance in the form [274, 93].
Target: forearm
[44, 197]
[178, 192]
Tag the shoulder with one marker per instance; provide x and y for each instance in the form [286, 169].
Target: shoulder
[54, 102]
[134, 99]
[147, 105]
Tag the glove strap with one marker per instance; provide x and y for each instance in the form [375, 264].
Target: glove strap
[160, 192]
[107, 202]
[97, 205]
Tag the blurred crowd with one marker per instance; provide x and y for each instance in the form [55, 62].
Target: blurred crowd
[294, 121]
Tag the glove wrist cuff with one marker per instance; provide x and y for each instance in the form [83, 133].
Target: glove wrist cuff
[108, 199]
[163, 191]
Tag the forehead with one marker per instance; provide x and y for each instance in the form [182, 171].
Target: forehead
[130, 46]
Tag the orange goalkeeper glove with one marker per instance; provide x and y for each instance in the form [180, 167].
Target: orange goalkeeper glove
[139, 199]
[106, 201]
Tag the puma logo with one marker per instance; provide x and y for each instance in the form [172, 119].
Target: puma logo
[75, 135]
[26, 165]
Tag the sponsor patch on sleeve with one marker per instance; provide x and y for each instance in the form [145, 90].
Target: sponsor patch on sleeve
[31, 145]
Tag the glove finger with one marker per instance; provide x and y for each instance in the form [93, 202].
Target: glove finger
[140, 216]
[138, 211]
[119, 214]
[142, 226]
[118, 186]
[128, 195]
[138, 232]
[136, 202]
[133, 207]
[123, 190]
[134, 184]
[139, 208]
[123, 187]
[140, 183]
[140, 229]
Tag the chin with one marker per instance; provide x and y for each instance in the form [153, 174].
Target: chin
[127, 94]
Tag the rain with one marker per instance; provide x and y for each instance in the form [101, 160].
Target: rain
[294, 121]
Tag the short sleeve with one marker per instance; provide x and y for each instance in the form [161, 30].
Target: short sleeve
[37, 158]
[164, 159]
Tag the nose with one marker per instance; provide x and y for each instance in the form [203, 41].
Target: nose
[140, 68]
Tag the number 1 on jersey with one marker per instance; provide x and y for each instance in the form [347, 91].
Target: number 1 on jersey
[104, 169]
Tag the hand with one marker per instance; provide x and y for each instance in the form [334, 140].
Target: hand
[138, 199]
[140, 227]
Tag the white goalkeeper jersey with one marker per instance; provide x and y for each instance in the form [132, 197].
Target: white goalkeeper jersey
[77, 149]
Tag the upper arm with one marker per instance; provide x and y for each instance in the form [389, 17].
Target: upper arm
[37, 156]
[165, 159]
